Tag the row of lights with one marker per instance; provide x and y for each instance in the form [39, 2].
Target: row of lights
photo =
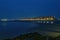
[39, 19]
[46, 18]
[46, 22]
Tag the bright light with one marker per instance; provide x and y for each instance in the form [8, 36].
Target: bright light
[3, 19]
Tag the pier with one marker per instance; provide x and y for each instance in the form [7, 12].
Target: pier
[46, 19]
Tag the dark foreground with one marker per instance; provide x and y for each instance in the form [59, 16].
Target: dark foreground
[34, 36]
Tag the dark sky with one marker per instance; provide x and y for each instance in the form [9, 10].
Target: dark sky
[29, 8]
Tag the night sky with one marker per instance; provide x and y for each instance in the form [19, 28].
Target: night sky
[29, 8]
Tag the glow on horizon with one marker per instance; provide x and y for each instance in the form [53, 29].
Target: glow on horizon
[4, 19]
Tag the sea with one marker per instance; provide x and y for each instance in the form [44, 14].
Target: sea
[14, 29]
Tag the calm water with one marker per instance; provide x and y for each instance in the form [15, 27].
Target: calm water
[13, 29]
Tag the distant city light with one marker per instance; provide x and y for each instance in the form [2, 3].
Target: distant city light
[4, 19]
[47, 21]
[39, 19]
[44, 21]
[52, 22]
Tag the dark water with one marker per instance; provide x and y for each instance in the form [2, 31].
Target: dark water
[13, 29]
